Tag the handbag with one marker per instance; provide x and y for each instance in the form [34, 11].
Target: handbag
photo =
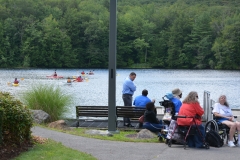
[141, 119]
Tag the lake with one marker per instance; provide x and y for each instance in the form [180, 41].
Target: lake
[156, 81]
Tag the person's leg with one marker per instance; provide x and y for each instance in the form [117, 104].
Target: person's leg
[127, 99]
[199, 137]
[232, 126]
[238, 129]
[153, 127]
[190, 141]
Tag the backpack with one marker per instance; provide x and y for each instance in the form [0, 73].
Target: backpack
[213, 139]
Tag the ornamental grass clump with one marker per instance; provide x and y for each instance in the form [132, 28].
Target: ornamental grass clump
[16, 120]
[48, 98]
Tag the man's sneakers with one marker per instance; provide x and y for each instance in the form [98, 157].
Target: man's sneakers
[231, 144]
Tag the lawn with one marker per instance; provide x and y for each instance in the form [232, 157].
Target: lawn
[46, 149]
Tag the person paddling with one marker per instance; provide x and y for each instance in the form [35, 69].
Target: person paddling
[16, 81]
[69, 80]
[55, 74]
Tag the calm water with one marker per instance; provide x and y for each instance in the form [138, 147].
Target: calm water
[156, 81]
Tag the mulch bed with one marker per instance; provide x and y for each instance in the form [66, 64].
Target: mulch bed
[9, 151]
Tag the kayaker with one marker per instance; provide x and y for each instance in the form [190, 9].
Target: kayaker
[69, 80]
[16, 81]
[55, 73]
[82, 72]
[78, 79]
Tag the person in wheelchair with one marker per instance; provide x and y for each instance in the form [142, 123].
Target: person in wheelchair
[150, 119]
[223, 114]
[177, 95]
[193, 111]
[174, 97]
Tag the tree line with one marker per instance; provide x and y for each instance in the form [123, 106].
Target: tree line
[191, 34]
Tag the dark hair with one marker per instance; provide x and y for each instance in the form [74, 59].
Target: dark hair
[150, 106]
[145, 92]
[132, 74]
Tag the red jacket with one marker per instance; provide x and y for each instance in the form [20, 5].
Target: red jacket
[190, 109]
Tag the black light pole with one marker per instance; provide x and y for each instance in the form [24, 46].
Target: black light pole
[112, 68]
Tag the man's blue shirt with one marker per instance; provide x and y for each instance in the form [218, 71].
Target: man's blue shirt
[141, 101]
[128, 86]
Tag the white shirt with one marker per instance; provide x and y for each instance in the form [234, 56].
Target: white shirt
[222, 109]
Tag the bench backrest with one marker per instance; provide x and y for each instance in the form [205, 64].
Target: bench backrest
[102, 111]
[92, 111]
[129, 111]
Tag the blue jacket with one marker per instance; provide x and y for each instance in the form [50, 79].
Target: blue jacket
[177, 103]
[141, 101]
[128, 86]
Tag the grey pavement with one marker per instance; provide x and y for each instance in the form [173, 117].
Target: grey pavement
[113, 150]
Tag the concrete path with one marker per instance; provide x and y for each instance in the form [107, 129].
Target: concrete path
[112, 150]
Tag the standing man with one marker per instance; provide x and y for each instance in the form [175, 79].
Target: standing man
[128, 90]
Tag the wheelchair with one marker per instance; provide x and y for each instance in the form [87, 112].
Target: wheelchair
[221, 129]
[178, 134]
[186, 131]
[169, 112]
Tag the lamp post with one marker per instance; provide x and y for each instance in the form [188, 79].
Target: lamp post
[112, 68]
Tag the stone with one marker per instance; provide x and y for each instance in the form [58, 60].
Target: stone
[98, 132]
[40, 116]
[144, 133]
[60, 124]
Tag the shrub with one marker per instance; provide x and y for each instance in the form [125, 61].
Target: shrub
[48, 98]
[16, 120]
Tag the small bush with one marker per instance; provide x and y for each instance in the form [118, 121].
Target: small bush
[16, 120]
[48, 98]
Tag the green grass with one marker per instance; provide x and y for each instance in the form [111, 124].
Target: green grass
[52, 150]
[48, 98]
[122, 136]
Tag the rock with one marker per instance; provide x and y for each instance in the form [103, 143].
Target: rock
[60, 124]
[144, 133]
[98, 132]
[40, 116]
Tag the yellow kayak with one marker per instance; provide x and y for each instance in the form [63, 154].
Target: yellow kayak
[15, 84]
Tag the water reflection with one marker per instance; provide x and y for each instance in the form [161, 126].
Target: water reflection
[157, 81]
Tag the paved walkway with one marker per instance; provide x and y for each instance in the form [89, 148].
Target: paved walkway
[112, 150]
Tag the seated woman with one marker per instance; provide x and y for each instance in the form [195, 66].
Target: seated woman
[223, 113]
[191, 108]
[16, 81]
[150, 120]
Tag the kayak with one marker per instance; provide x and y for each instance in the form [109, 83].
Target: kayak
[15, 84]
[54, 77]
[78, 81]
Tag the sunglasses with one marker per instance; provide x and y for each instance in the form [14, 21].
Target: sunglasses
[196, 96]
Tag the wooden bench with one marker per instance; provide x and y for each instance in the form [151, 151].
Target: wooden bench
[102, 111]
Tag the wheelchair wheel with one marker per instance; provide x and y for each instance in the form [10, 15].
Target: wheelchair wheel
[211, 125]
